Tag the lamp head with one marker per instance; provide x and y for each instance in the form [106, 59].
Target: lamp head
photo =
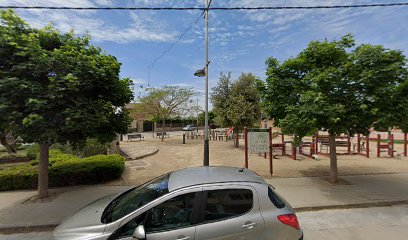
[200, 73]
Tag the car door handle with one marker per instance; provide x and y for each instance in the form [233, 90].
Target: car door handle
[183, 238]
[249, 225]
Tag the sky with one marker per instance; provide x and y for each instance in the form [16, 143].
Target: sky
[239, 41]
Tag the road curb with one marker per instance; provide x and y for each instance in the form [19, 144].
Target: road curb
[129, 158]
[146, 155]
[26, 229]
[353, 205]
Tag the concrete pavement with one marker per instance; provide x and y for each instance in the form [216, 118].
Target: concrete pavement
[304, 193]
[26, 214]
[312, 193]
[357, 224]
[137, 150]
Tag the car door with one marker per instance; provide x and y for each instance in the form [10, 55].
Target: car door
[229, 213]
[173, 217]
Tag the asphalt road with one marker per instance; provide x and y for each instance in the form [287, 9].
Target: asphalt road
[345, 224]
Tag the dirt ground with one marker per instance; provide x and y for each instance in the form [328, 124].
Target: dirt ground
[173, 155]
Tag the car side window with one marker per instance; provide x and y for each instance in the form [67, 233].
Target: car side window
[172, 214]
[127, 230]
[227, 203]
[279, 203]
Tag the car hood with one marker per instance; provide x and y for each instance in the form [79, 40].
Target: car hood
[86, 222]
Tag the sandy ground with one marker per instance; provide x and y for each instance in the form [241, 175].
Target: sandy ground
[174, 155]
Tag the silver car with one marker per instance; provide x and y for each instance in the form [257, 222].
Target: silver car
[189, 204]
[189, 128]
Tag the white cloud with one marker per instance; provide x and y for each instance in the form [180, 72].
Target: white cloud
[138, 81]
[53, 3]
[137, 29]
[182, 85]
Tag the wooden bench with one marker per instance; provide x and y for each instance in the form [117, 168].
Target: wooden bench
[159, 134]
[135, 136]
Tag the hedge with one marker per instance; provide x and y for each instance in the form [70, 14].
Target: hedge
[64, 170]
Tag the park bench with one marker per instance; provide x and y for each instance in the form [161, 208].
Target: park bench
[135, 136]
[159, 134]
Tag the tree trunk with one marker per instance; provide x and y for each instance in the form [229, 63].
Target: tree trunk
[163, 130]
[333, 159]
[236, 140]
[43, 171]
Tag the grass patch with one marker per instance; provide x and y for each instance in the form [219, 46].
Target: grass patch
[20, 154]
[64, 170]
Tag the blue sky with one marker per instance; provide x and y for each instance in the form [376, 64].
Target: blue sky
[240, 41]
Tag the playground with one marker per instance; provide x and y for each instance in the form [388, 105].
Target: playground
[376, 144]
[173, 154]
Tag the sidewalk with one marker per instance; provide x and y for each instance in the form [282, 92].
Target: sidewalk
[315, 193]
[21, 214]
[304, 193]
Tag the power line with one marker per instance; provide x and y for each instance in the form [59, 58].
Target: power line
[151, 65]
[213, 8]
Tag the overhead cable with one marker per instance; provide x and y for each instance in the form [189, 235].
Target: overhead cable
[213, 8]
[151, 65]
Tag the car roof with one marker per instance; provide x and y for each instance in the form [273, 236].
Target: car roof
[206, 175]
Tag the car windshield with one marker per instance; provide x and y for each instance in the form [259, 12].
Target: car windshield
[135, 198]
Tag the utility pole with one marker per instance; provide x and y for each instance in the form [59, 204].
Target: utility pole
[206, 141]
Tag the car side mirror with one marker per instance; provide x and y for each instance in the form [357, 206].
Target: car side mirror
[139, 233]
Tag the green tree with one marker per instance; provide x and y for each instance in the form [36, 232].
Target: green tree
[211, 117]
[14, 36]
[58, 88]
[164, 103]
[236, 103]
[219, 99]
[333, 86]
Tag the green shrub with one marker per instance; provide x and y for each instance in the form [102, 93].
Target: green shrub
[64, 170]
[65, 148]
[94, 147]
[33, 151]
[23, 176]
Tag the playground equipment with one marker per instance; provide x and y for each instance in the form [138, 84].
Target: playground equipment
[405, 144]
[288, 149]
[279, 146]
[320, 144]
[388, 146]
[322, 141]
[363, 145]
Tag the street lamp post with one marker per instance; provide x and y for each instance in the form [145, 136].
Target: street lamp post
[202, 73]
[206, 142]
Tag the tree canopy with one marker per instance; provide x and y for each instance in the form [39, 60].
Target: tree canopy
[58, 87]
[164, 103]
[337, 86]
[236, 103]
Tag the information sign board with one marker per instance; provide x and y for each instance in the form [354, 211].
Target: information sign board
[258, 140]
